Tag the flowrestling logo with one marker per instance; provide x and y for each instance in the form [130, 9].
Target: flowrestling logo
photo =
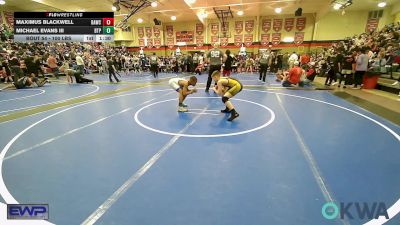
[351, 210]
[28, 211]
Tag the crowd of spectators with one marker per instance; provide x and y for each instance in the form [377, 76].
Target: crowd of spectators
[346, 61]
[6, 32]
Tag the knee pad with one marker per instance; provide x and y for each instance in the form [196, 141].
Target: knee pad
[225, 99]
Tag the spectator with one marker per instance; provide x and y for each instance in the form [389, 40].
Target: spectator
[264, 59]
[294, 76]
[293, 58]
[111, 70]
[285, 61]
[195, 60]
[346, 70]
[52, 64]
[6, 71]
[15, 67]
[228, 63]
[80, 64]
[361, 67]
[311, 72]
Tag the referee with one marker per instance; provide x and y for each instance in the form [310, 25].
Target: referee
[154, 65]
[214, 58]
[264, 60]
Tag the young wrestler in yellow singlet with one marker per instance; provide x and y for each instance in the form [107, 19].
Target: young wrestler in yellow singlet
[227, 87]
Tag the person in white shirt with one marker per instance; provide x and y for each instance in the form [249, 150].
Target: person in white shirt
[201, 59]
[178, 51]
[361, 67]
[127, 64]
[293, 58]
[242, 51]
[104, 63]
[141, 52]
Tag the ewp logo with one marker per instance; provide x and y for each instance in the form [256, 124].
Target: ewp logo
[27, 211]
[331, 211]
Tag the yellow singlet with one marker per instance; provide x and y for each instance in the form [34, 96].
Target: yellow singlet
[234, 85]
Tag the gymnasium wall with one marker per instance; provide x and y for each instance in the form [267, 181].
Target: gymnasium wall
[313, 37]
[397, 17]
[396, 13]
[387, 17]
[317, 34]
[207, 33]
[127, 36]
[334, 26]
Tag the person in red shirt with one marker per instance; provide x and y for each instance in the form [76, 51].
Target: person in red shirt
[52, 64]
[304, 59]
[294, 76]
[310, 75]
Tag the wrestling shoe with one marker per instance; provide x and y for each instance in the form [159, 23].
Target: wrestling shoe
[182, 109]
[233, 116]
[226, 110]
[43, 82]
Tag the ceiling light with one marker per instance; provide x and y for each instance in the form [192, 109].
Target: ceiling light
[154, 4]
[116, 6]
[341, 4]
[2, 2]
[381, 4]
[203, 14]
[81, 10]
[173, 17]
[191, 1]
[140, 20]
[240, 13]
[337, 6]
[278, 10]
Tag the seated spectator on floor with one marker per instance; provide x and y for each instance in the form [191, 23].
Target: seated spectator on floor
[78, 77]
[311, 73]
[65, 68]
[294, 75]
[199, 69]
[52, 63]
[280, 75]
[308, 77]
[28, 81]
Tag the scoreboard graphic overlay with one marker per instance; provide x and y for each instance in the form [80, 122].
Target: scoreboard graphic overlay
[63, 26]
